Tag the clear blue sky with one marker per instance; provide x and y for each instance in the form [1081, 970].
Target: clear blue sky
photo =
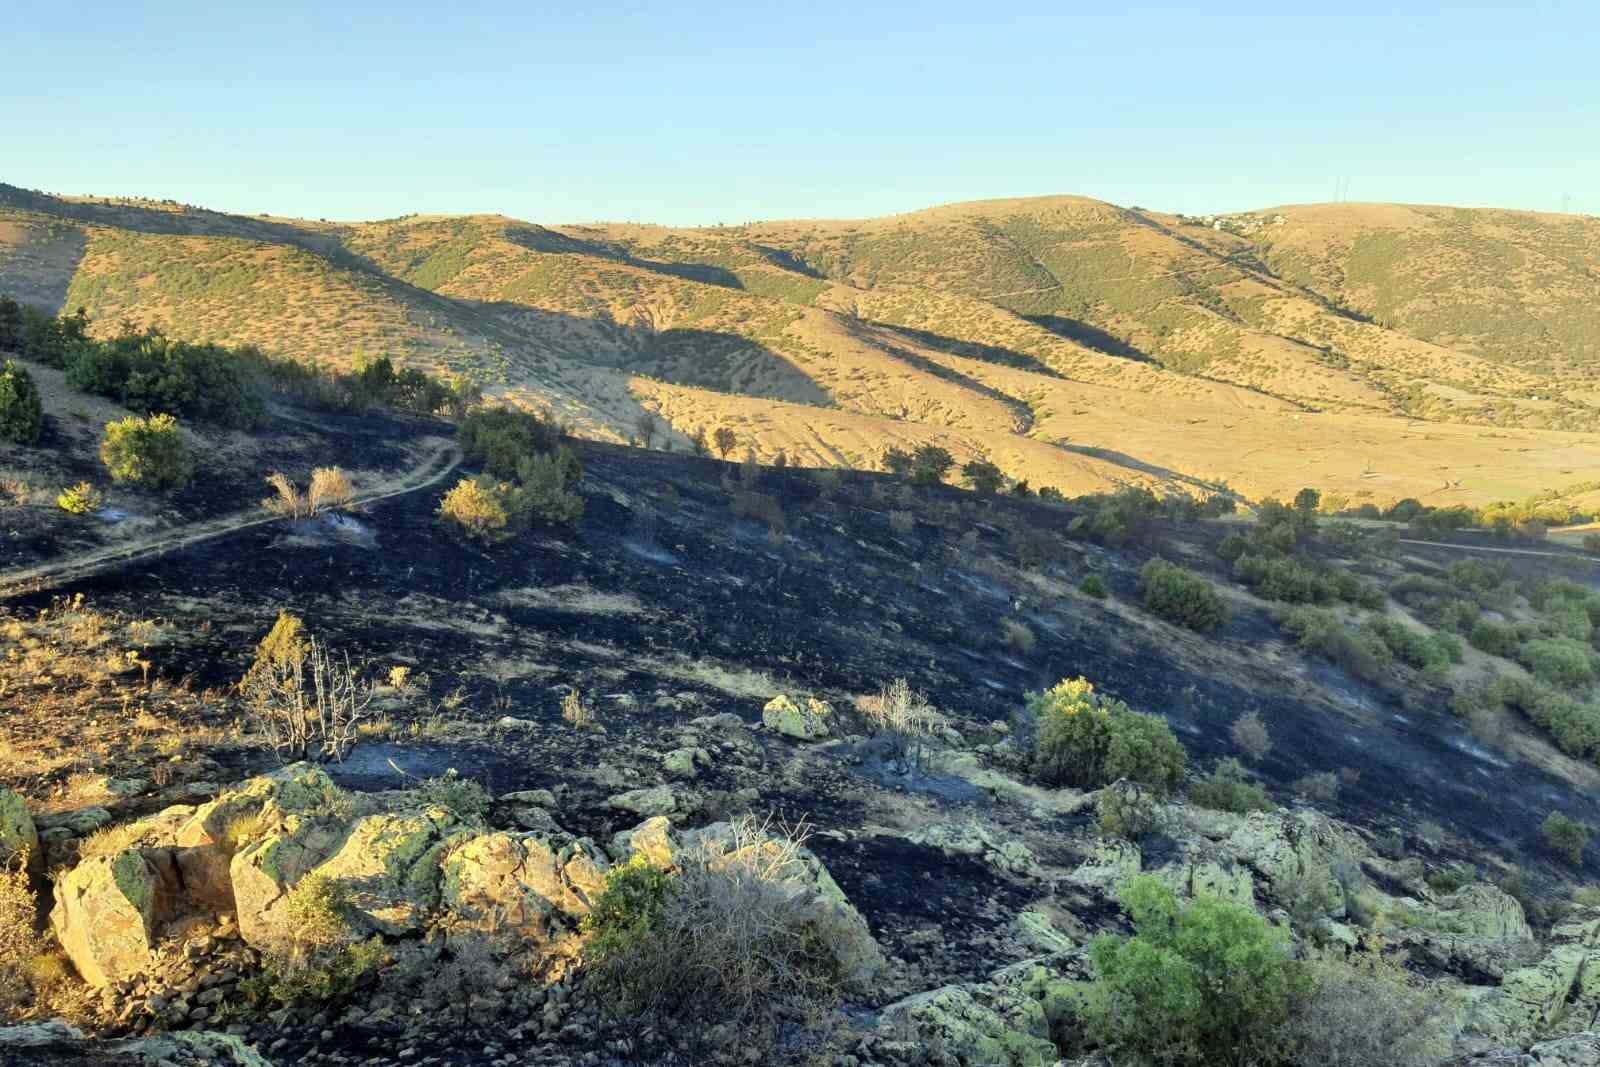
[708, 112]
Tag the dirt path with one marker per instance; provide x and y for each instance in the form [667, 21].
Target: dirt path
[440, 459]
[1487, 548]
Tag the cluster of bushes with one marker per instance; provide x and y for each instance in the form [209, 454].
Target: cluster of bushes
[1229, 788]
[1210, 981]
[1567, 836]
[1087, 740]
[1529, 517]
[148, 371]
[926, 466]
[1368, 649]
[530, 476]
[1131, 516]
[1298, 580]
[1573, 724]
[1181, 596]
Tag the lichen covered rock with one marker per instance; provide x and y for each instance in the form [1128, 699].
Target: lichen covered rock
[784, 716]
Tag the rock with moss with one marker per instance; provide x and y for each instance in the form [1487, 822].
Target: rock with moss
[55, 1042]
[979, 1023]
[1294, 853]
[1477, 930]
[1110, 863]
[651, 800]
[1557, 994]
[105, 915]
[537, 887]
[811, 723]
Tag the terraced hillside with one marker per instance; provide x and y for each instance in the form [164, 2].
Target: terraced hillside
[1377, 351]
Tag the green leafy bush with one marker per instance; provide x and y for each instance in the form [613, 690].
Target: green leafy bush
[1566, 836]
[151, 372]
[1093, 585]
[1087, 740]
[929, 464]
[1495, 638]
[1574, 724]
[1203, 983]
[501, 438]
[543, 495]
[478, 507]
[1182, 597]
[1559, 661]
[1370, 1012]
[148, 451]
[21, 413]
[1229, 788]
[984, 477]
[1414, 648]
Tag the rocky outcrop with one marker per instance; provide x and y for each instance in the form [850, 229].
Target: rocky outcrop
[1005, 1025]
[1477, 931]
[810, 723]
[522, 883]
[45, 1044]
[1109, 865]
[1561, 990]
[971, 839]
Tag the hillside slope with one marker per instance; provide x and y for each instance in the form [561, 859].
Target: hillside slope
[1075, 343]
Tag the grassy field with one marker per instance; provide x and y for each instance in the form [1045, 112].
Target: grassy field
[1378, 351]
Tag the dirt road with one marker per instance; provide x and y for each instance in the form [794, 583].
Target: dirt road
[440, 459]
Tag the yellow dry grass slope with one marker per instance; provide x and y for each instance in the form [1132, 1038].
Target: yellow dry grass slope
[1375, 350]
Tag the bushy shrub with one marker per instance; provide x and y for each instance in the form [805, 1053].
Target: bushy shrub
[148, 451]
[1229, 789]
[478, 507]
[1323, 788]
[929, 464]
[1370, 1012]
[1202, 983]
[153, 373]
[1250, 734]
[1423, 651]
[984, 477]
[727, 937]
[1087, 740]
[1093, 585]
[1495, 638]
[1574, 724]
[1559, 661]
[544, 494]
[1566, 836]
[500, 438]
[1182, 597]
[1017, 635]
[21, 413]
[80, 499]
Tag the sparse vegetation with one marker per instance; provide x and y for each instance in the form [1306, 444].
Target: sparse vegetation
[306, 700]
[1228, 788]
[1250, 734]
[80, 499]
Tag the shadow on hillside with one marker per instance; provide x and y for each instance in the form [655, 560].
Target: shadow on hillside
[41, 273]
[1020, 410]
[951, 346]
[729, 363]
[539, 239]
[1089, 336]
[1122, 459]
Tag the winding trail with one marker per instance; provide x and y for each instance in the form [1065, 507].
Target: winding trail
[440, 459]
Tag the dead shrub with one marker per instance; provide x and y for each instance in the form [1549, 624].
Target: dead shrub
[1017, 635]
[305, 700]
[1371, 1013]
[287, 502]
[732, 936]
[901, 715]
[330, 488]
[576, 712]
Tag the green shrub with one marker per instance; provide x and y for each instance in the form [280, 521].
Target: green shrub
[1574, 724]
[1423, 651]
[929, 464]
[462, 797]
[1323, 788]
[1559, 661]
[1087, 740]
[1093, 585]
[1181, 597]
[21, 413]
[1495, 638]
[1359, 651]
[543, 495]
[501, 438]
[1566, 836]
[1203, 983]
[1229, 789]
[148, 451]
[80, 499]
[984, 477]
[153, 373]
[1250, 734]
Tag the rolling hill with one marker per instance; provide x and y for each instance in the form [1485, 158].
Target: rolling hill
[1378, 351]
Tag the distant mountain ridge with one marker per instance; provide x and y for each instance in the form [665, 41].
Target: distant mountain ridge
[1378, 350]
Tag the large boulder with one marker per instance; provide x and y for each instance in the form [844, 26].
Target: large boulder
[784, 716]
[18, 835]
[521, 882]
[105, 915]
[1295, 854]
[1560, 992]
[55, 1043]
[1109, 865]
